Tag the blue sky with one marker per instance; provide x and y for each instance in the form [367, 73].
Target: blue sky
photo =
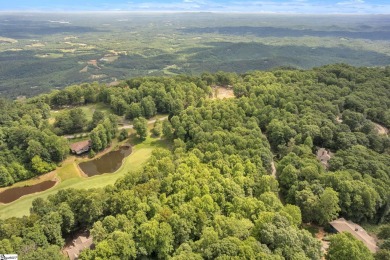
[268, 6]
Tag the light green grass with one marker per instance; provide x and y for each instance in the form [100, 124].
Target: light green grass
[90, 109]
[68, 171]
[87, 109]
[70, 179]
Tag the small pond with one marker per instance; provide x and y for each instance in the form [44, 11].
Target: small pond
[13, 194]
[108, 163]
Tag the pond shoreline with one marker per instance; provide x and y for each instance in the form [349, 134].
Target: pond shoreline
[32, 181]
[107, 163]
[15, 197]
[51, 177]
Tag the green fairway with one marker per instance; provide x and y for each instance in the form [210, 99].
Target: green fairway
[141, 153]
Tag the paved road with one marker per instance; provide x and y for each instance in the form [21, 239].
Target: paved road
[126, 126]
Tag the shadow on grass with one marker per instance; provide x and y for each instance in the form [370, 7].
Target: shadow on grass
[152, 141]
[161, 143]
[312, 229]
[134, 139]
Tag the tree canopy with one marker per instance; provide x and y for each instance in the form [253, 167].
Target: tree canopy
[214, 193]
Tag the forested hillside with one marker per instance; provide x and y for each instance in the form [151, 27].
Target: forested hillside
[214, 194]
[27, 145]
[30, 145]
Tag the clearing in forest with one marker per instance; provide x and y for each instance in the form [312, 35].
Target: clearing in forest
[381, 129]
[71, 178]
[220, 92]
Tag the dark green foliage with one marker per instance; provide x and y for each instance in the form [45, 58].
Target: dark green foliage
[148, 107]
[134, 111]
[167, 129]
[157, 128]
[385, 244]
[213, 195]
[28, 147]
[141, 127]
[97, 117]
[102, 135]
[50, 252]
[71, 121]
[382, 255]
[123, 134]
[309, 106]
[344, 246]
[384, 232]
[5, 177]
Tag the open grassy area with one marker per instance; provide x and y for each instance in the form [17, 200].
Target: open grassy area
[87, 109]
[71, 178]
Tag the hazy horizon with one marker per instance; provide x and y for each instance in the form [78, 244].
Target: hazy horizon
[215, 6]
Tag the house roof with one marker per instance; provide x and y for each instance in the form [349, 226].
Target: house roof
[79, 244]
[342, 225]
[80, 145]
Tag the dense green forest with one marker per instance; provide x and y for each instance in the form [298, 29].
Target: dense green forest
[31, 146]
[213, 195]
[28, 147]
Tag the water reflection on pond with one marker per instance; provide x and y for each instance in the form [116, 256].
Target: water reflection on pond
[108, 163]
[13, 194]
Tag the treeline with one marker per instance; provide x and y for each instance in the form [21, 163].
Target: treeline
[302, 110]
[139, 97]
[205, 199]
[213, 196]
[28, 146]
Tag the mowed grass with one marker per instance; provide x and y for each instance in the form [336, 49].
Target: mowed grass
[90, 109]
[71, 178]
[87, 109]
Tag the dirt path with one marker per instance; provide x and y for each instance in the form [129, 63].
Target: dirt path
[324, 244]
[319, 234]
[381, 129]
[273, 174]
